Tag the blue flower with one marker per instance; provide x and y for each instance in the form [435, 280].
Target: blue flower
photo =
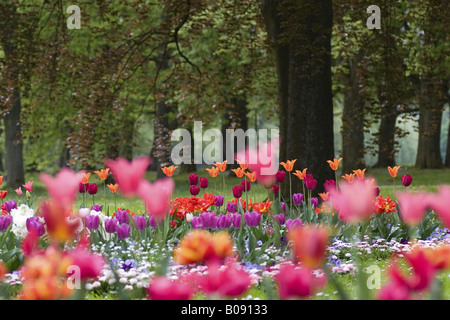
[128, 264]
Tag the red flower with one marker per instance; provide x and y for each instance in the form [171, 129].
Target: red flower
[385, 205]
[3, 194]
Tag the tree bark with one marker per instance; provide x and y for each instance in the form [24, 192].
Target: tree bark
[305, 96]
[353, 122]
[431, 103]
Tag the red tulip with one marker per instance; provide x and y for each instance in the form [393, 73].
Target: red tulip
[194, 190]
[237, 191]
[406, 180]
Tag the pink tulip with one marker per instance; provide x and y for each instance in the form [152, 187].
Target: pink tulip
[226, 281]
[162, 288]
[412, 206]
[353, 201]
[262, 161]
[129, 174]
[297, 282]
[393, 291]
[19, 191]
[156, 196]
[63, 188]
[90, 264]
[28, 186]
[440, 204]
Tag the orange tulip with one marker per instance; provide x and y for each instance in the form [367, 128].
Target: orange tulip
[334, 165]
[359, 173]
[168, 171]
[324, 195]
[251, 176]
[242, 164]
[349, 177]
[1, 180]
[213, 172]
[309, 245]
[113, 187]
[239, 172]
[393, 171]
[300, 174]
[222, 166]
[103, 173]
[288, 165]
[200, 246]
[85, 177]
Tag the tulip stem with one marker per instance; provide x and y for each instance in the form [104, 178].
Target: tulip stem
[290, 192]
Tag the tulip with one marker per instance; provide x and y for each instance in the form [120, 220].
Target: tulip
[232, 207]
[283, 207]
[237, 191]
[359, 173]
[334, 165]
[439, 203]
[194, 190]
[314, 202]
[208, 219]
[129, 175]
[156, 196]
[84, 212]
[231, 281]
[310, 184]
[96, 207]
[19, 191]
[9, 205]
[152, 222]
[82, 188]
[238, 172]
[412, 207]
[236, 218]
[5, 221]
[162, 288]
[393, 171]
[123, 231]
[297, 198]
[279, 176]
[92, 222]
[203, 182]
[102, 173]
[113, 187]
[89, 264]
[288, 165]
[293, 223]
[349, 177]
[245, 185]
[224, 221]
[275, 189]
[300, 174]
[309, 245]
[92, 189]
[329, 185]
[213, 172]
[110, 225]
[122, 216]
[168, 171]
[28, 186]
[218, 200]
[252, 218]
[279, 218]
[297, 282]
[63, 188]
[197, 222]
[139, 222]
[406, 180]
[34, 225]
[221, 166]
[193, 179]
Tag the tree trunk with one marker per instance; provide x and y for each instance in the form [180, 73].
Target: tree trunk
[431, 105]
[309, 136]
[353, 122]
[386, 138]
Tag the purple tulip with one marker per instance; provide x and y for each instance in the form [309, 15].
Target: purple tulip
[314, 202]
[123, 231]
[194, 190]
[232, 207]
[203, 182]
[246, 185]
[236, 218]
[152, 221]
[34, 225]
[97, 208]
[110, 225]
[297, 198]
[5, 221]
[92, 222]
[283, 206]
[279, 218]
[252, 218]
[193, 179]
[218, 200]
[293, 223]
[224, 221]
[122, 216]
[406, 180]
[237, 192]
[208, 219]
[92, 189]
[9, 205]
[279, 176]
[139, 222]
[197, 222]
